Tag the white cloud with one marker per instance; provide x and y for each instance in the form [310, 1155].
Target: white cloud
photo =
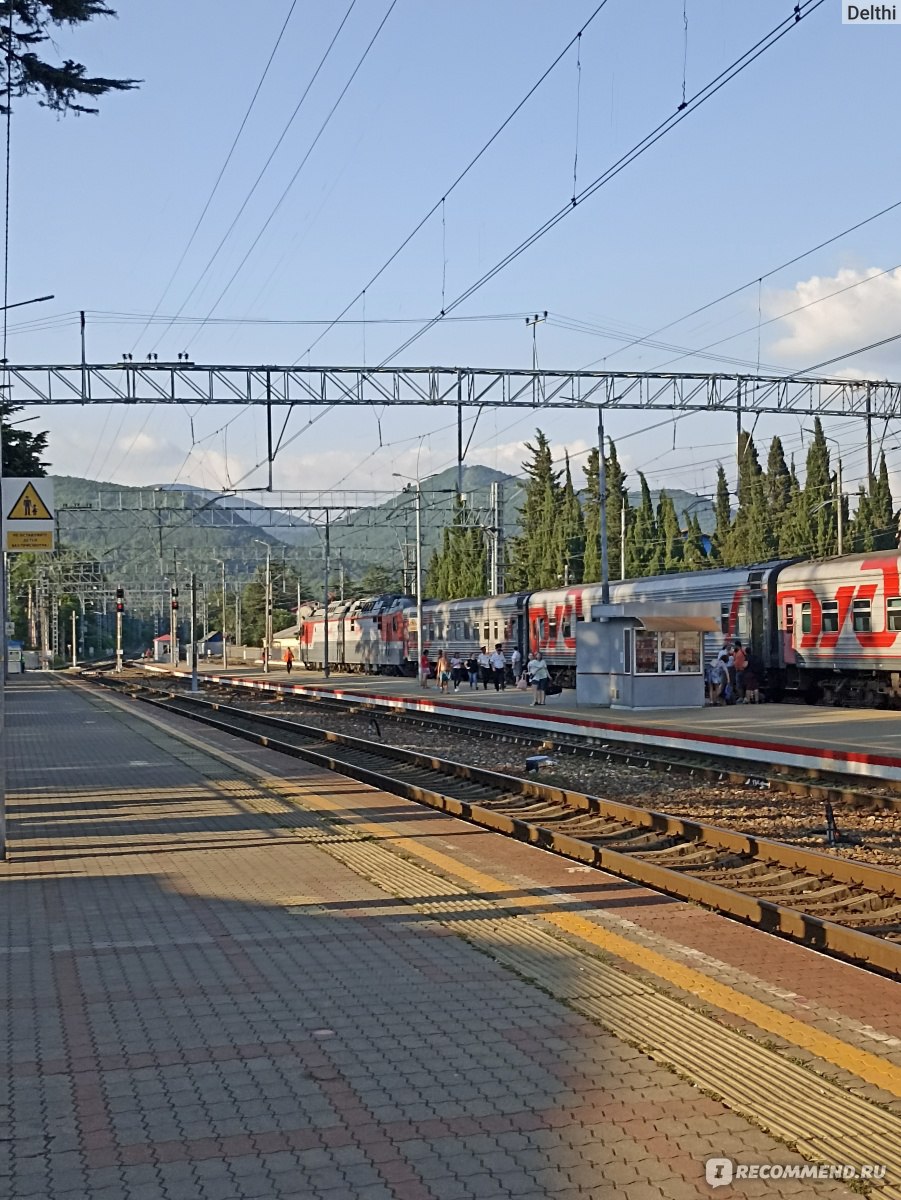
[838, 313]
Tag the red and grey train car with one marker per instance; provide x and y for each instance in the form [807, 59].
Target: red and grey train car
[827, 630]
[369, 635]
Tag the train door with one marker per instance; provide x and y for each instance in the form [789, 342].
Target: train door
[340, 637]
[756, 632]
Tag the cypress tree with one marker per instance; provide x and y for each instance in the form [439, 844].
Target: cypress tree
[533, 561]
[694, 558]
[884, 518]
[642, 540]
[571, 532]
[817, 519]
[777, 490]
[723, 514]
[669, 533]
[616, 499]
[860, 533]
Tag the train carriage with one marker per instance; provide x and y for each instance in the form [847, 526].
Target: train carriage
[462, 626]
[368, 635]
[745, 595]
[839, 622]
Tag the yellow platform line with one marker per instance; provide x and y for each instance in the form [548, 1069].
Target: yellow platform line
[868, 1067]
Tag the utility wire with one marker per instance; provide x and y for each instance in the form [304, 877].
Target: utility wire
[263, 169]
[706, 93]
[300, 167]
[765, 43]
[750, 283]
[459, 179]
[222, 170]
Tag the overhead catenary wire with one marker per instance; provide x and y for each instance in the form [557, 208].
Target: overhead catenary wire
[770, 39]
[882, 212]
[252, 191]
[300, 167]
[706, 93]
[447, 191]
[222, 170]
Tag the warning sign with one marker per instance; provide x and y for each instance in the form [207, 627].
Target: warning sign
[26, 515]
[29, 507]
[29, 541]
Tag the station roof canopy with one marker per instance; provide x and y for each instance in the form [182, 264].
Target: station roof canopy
[662, 618]
[662, 622]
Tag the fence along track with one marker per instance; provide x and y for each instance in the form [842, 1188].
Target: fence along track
[845, 908]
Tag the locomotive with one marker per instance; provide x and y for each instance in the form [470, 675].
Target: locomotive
[826, 630]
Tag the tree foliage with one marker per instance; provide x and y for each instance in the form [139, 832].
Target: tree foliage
[62, 86]
[22, 450]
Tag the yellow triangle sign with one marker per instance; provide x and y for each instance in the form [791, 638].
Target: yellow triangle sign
[29, 507]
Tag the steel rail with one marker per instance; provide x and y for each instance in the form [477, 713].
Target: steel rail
[813, 782]
[852, 910]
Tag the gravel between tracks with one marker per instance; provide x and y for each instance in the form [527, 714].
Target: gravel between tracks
[872, 837]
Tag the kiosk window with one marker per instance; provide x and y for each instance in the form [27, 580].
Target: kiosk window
[667, 653]
[645, 653]
[861, 616]
[893, 611]
[830, 616]
[688, 646]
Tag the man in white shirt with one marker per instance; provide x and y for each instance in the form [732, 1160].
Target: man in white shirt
[498, 667]
[485, 667]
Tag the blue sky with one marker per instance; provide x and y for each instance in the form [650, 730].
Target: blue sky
[801, 146]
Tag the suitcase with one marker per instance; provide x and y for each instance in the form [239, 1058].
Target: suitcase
[553, 689]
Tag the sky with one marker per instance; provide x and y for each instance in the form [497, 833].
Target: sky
[798, 148]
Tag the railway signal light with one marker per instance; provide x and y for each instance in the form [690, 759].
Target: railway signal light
[120, 600]
[175, 599]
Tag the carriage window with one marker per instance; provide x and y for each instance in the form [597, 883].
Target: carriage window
[861, 616]
[552, 628]
[486, 633]
[566, 629]
[893, 613]
[830, 616]
[725, 610]
[497, 636]
[805, 617]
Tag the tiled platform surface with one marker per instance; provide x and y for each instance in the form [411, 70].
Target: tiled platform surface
[202, 1001]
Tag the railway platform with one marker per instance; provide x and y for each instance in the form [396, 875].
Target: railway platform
[859, 742]
[232, 975]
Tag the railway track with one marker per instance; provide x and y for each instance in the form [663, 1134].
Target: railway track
[842, 907]
[831, 787]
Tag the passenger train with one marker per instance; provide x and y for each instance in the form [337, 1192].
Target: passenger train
[827, 630]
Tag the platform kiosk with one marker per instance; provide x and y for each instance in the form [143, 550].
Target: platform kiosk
[639, 656]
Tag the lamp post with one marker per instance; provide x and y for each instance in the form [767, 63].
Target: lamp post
[418, 495]
[267, 624]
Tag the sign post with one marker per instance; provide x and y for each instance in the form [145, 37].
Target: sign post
[26, 524]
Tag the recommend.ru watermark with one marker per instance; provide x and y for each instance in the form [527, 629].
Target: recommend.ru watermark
[720, 1172]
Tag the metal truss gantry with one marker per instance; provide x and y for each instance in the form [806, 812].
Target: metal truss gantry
[191, 383]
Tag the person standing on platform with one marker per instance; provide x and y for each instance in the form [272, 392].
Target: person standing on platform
[424, 670]
[516, 665]
[289, 659]
[498, 668]
[457, 672]
[540, 677]
[472, 666]
[442, 672]
[484, 667]
[741, 665]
